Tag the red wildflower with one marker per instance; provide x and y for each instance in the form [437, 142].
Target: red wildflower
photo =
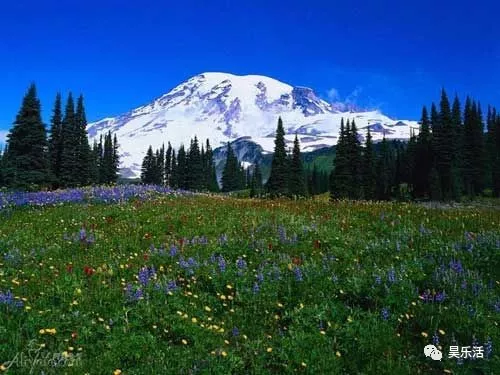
[270, 246]
[297, 261]
[88, 270]
[69, 268]
[147, 236]
[317, 244]
[74, 335]
[146, 256]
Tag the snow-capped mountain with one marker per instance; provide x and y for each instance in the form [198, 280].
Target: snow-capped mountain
[224, 107]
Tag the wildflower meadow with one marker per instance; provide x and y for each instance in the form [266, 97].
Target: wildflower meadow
[147, 280]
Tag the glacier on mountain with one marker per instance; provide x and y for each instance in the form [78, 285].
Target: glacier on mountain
[225, 107]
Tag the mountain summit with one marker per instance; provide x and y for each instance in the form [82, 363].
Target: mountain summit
[224, 107]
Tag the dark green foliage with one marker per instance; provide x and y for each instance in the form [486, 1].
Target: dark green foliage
[27, 160]
[297, 186]
[369, 177]
[55, 140]
[69, 162]
[83, 152]
[195, 176]
[148, 167]
[423, 161]
[256, 185]
[231, 174]
[277, 184]
[385, 171]
[168, 165]
[182, 168]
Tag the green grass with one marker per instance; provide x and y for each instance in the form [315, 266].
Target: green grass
[329, 322]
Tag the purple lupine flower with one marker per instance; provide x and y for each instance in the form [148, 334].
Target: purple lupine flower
[456, 266]
[385, 313]
[171, 286]
[83, 234]
[298, 274]
[391, 276]
[191, 262]
[144, 276]
[335, 278]
[496, 306]
[260, 277]
[488, 347]
[282, 233]
[223, 239]
[173, 251]
[440, 296]
[378, 280]
[435, 339]
[131, 294]
[464, 284]
[256, 288]
[241, 263]
[221, 263]
[398, 246]
[235, 331]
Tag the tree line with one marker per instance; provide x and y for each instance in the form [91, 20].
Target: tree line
[62, 157]
[452, 157]
[191, 169]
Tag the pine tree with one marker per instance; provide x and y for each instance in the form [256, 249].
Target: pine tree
[256, 186]
[148, 167]
[444, 148]
[100, 164]
[174, 176]
[116, 160]
[424, 157]
[211, 178]
[168, 165]
[27, 153]
[277, 184]
[94, 168]
[194, 167]
[385, 171]
[69, 162]
[182, 168]
[297, 184]
[340, 177]
[457, 145]
[55, 140]
[354, 160]
[369, 180]
[82, 175]
[496, 158]
[230, 173]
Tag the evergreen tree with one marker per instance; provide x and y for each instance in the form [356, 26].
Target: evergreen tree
[340, 177]
[444, 148]
[297, 185]
[256, 186]
[369, 180]
[174, 176]
[69, 162]
[230, 173]
[424, 157]
[277, 184]
[496, 158]
[168, 165]
[354, 160]
[100, 164]
[27, 152]
[195, 167]
[82, 175]
[148, 167]
[211, 177]
[94, 167]
[457, 146]
[385, 171]
[182, 168]
[55, 140]
[116, 160]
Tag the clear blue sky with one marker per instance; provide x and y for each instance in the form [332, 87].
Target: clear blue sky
[395, 55]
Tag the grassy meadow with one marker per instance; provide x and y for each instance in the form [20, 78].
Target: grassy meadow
[177, 284]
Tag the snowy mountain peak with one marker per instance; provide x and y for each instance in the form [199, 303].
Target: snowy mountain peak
[224, 106]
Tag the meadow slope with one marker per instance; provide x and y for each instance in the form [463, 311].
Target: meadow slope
[215, 285]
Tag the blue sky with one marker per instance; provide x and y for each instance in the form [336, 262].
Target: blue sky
[394, 55]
